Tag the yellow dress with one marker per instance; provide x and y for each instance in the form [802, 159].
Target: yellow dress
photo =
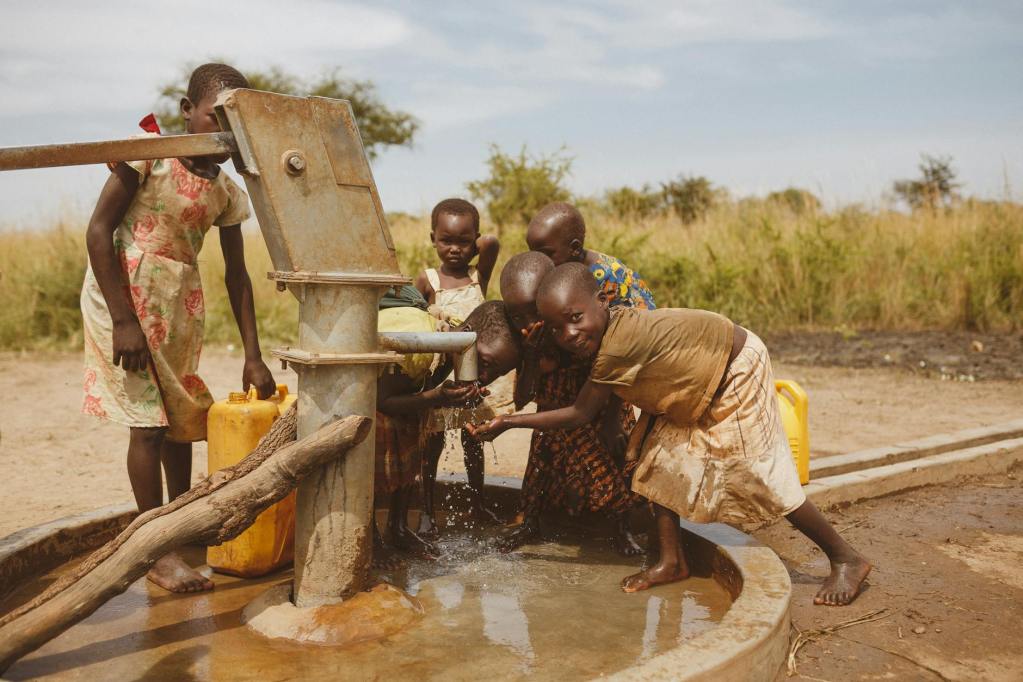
[157, 244]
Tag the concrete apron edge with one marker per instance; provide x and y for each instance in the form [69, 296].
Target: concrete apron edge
[751, 641]
[854, 486]
[41, 548]
[914, 449]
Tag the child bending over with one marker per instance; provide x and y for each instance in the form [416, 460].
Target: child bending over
[406, 396]
[710, 442]
[574, 470]
[454, 290]
[143, 311]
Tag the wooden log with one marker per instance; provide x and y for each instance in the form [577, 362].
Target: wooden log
[218, 509]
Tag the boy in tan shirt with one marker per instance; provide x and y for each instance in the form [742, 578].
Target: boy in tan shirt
[710, 442]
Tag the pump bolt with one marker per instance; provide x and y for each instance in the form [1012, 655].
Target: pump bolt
[294, 162]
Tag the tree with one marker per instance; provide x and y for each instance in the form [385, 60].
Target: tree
[379, 126]
[797, 200]
[626, 202]
[936, 186]
[519, 186]
[690, 197]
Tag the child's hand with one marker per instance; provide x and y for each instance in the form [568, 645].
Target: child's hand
[533, 336]
[488, 430]
[131, 350]
[459, 393]
[613, 437]
[256, 373]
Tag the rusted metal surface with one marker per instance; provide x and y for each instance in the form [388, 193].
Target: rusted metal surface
[311, 223]
[333, 531]
[110, 151]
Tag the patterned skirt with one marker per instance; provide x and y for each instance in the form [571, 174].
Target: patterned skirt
[399, 452]
[572, 470]
[734, 464]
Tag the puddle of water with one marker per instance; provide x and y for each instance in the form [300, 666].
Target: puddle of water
[552, 610]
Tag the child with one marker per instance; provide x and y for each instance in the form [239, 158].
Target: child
[455, 290]
[710, 442]
[404, 397]
[559, 232]
[574, 470]
[143, 313]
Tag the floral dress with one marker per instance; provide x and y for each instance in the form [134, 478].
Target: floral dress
[622, 284]
[157, 245]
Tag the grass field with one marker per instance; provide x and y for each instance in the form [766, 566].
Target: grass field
[759, 263]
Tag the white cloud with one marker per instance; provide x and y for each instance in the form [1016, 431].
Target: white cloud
[96, 56]
[442, 105]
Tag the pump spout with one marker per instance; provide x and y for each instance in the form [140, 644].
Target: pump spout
[461, 344]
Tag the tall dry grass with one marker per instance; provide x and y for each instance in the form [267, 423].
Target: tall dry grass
[759, 263]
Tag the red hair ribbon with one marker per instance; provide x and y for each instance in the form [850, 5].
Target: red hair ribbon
[150, 125]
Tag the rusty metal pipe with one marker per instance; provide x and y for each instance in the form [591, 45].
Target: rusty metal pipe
[461, 344]
[110, 151]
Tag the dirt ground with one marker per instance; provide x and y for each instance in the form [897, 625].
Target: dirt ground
[947, 580]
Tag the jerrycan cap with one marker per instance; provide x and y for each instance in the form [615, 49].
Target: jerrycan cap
[235, 397]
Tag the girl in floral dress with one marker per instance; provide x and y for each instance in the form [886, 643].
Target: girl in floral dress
[143, 310]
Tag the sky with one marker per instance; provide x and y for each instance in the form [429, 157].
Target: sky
[840, 98]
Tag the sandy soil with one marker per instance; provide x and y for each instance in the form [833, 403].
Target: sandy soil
[947, 581]
[55, 461]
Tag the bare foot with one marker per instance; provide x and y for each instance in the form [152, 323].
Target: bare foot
[625, 541]
[843, 585]
[658, 574]
[522, 534]
[172, 574]
[428, 528]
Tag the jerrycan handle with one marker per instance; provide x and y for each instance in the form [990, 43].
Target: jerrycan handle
[795, 394]
[282, 393]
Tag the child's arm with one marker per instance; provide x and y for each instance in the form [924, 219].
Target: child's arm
[610, 432]
[398, 395]
[529, 370]
[239, 290]
[587, 405]
[423, 284]
[130, 350]
[487, 246]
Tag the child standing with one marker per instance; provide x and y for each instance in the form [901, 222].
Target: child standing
[405, 396]
[710, 442]
[454, 290]
[143, 311]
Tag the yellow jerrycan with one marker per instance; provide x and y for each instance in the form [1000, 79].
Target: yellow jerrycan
[234, 427]
[793, 406]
